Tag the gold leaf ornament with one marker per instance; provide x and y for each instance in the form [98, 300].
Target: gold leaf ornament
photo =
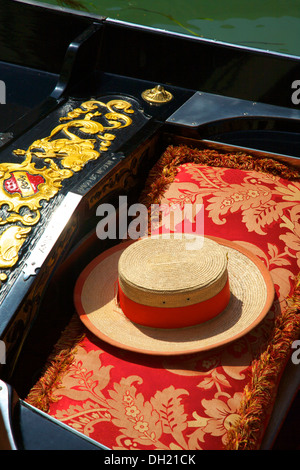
[65, 151]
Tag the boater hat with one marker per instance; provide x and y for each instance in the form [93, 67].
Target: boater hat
[160, 296]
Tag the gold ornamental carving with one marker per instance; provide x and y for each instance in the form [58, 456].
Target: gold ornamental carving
[82, 135]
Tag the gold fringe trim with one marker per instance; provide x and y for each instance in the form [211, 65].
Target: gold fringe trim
[41, 395]
[260, 393]
[165, 170]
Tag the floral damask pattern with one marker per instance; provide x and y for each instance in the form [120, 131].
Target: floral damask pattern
[130, 401]
[257, 210]
[127, 412]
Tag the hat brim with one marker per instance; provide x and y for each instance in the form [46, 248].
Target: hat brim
[252, 294]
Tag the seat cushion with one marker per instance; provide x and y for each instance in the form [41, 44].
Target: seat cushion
[217, 399]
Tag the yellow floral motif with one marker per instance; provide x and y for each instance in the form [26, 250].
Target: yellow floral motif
[237, 197]
[291, 192]
[223, 414]
[226, 202]
[127, 398]
[141, 426]
[132, 411]
[252, 193]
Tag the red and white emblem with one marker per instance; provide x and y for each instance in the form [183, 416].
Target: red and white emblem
[23, 183]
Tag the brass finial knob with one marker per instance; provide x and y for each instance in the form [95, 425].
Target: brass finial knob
[157, 95]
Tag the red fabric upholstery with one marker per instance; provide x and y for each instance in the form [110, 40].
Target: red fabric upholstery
[132, 401]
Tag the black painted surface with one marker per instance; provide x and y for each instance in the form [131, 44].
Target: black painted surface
[51, 58]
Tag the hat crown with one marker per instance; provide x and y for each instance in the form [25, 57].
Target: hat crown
[163, 272]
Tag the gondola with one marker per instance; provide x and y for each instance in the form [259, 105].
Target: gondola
[89, 105]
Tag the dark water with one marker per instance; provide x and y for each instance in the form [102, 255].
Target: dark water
[271, 25]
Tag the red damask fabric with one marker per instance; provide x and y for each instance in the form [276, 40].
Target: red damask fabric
[132, 401]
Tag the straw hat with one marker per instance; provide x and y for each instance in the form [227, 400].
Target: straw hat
[158, 296]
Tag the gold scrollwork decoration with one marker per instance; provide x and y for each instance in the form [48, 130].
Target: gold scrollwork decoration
[82, 135]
